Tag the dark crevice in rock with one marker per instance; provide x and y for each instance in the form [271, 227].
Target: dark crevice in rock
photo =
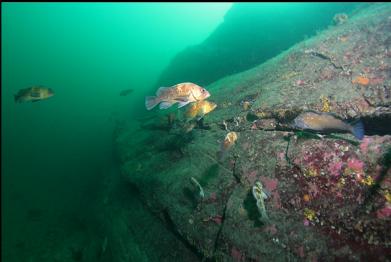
[216, 242]
[234, 173]
[221, 227]
[172, 228]
[325, 57]
[161, 215]
[377, 125]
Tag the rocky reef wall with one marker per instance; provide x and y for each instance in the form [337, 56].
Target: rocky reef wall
[328, 196]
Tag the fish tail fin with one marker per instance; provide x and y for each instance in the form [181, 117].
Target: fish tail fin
[358, 130]
[151, 102]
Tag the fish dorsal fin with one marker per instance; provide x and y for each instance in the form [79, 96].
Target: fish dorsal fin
[325, 113]
[312, 111]
[162, 89]
[24, 91]
[334, 115]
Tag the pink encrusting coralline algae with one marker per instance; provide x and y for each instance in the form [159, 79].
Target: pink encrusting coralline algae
[270, 183]
[384, 212]
[217, 219]
[271, 186]
[251, 176]
[356, 165]
[364, 144]
[335, 168]
[213, 196]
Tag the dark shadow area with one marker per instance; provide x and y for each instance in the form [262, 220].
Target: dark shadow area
[210, 173]
[172, 228]
[252, 210]
[190, 195]
[380, 125]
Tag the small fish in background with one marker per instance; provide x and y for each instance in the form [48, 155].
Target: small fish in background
[228, 142]
[340, 19]
[126, 92]
[199, 109]
[33, 94]
[183, 94]
[327, 123]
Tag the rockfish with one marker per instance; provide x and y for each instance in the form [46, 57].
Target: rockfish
[200, 109]
[228, 142]
[326, 123]
[183, 94]
[33, 94]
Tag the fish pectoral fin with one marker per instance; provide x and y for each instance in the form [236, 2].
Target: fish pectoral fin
[200, 117]
[182, 104]
[165, 105]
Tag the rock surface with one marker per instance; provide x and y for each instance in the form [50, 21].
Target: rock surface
[329, 196]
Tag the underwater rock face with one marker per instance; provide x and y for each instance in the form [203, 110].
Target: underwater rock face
[224, 52]
[329, 196]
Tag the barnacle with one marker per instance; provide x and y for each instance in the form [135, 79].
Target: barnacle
[309, 214]
[311, 172]
[246, 105]
[325, 103]
[387, 196]
[262, 114]
[341, 182]
[368, 181]
[340, 18]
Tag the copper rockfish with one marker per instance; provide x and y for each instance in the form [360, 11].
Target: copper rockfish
[183, 94]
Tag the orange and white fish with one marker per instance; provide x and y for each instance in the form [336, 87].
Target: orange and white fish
[200, 109]
[183, 94]
[326, 122]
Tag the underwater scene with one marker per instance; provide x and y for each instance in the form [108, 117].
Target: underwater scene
[195, 132]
